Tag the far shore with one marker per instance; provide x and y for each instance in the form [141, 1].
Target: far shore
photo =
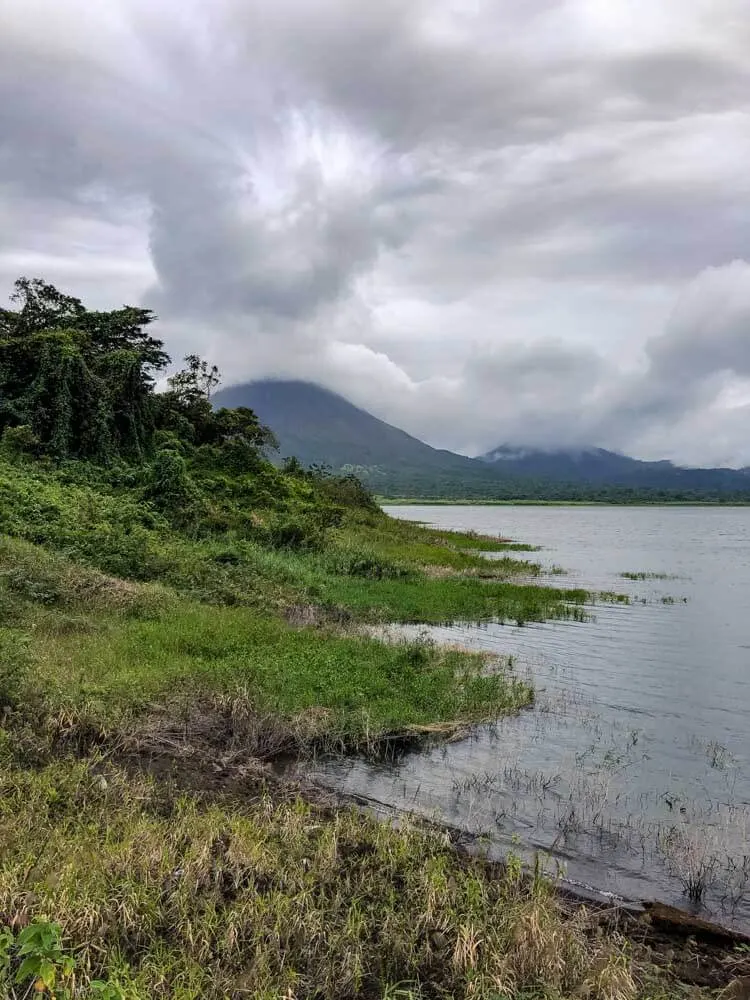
[443, 502]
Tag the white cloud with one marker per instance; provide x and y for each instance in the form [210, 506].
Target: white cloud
[485, 222]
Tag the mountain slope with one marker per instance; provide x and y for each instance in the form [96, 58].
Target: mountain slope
[597, 465]
[318, 426]
[321, 427]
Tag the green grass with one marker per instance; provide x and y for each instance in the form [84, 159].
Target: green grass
[181, 618]
[105, 650]
[420, 544]
[114, 609]
[443, 600]
[191, 654]
[375, 566]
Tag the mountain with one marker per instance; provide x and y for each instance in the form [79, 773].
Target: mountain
[597, 466]
[321, 427]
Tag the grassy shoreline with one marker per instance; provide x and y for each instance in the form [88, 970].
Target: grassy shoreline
[176, 614]
[134, 703]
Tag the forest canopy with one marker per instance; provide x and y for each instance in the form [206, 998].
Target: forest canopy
[77, 383]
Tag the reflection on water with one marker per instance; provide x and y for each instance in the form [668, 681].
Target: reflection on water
[633, 769]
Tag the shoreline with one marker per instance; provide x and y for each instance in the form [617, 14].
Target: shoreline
[146, 719]
[686, 946]
[178, 612]
[418, 502]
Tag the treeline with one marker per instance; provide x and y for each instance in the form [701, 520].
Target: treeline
[435, 486]
[78, 395]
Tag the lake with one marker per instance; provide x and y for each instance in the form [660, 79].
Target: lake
[632, 771]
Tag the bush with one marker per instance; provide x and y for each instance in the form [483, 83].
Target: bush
[348, 491]
[169, 485]
[363, 563]
[131, 554]
[297, 533]
[20, 440]
[14, 665]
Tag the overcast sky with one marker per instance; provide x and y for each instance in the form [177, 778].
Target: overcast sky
[487, 221]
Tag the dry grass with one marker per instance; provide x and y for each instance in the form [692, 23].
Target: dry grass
[180, 899]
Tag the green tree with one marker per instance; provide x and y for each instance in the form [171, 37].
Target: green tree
[195, 383]
[82, 381]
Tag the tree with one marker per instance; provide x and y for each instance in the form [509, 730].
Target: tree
[196, 382]
[82, 381]
[40, 307]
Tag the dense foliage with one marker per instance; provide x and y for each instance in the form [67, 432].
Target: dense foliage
[81, 382]
[78, 392]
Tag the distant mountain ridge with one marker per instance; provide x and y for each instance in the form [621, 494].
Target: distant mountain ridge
[597, 465]
[321, 427]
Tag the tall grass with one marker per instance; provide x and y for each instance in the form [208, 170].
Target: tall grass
[166, 897]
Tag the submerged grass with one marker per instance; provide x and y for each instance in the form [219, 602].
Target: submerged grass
[647, 576]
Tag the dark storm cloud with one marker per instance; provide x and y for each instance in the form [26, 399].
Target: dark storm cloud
[484, 221]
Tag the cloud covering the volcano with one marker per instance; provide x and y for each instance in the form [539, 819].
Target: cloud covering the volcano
[485, 222]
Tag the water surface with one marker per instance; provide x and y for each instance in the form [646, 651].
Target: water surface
[632, 772]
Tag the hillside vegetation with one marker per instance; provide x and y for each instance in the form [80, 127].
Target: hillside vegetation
[321, 427]
[175, 612]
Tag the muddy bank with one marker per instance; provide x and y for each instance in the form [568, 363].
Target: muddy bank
[220, 756]
[688, 949]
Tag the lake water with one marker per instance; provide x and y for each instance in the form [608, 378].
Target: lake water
[632, 771]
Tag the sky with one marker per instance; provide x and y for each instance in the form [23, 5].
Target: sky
[486, 221]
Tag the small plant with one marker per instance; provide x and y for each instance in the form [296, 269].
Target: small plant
[34, 961]
[691, 859]
[106, 991]
[719, 756]
[14, 663]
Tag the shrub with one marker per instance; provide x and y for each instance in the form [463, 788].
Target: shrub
[20, 440]
[347, 491]
[14, 665]
[364, 563]
[297, 533]
[169, 485]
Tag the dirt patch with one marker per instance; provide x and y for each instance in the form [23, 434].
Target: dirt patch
[316, 615]
[687, 948]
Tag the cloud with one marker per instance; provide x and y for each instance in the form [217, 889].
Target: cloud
[485, 222]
